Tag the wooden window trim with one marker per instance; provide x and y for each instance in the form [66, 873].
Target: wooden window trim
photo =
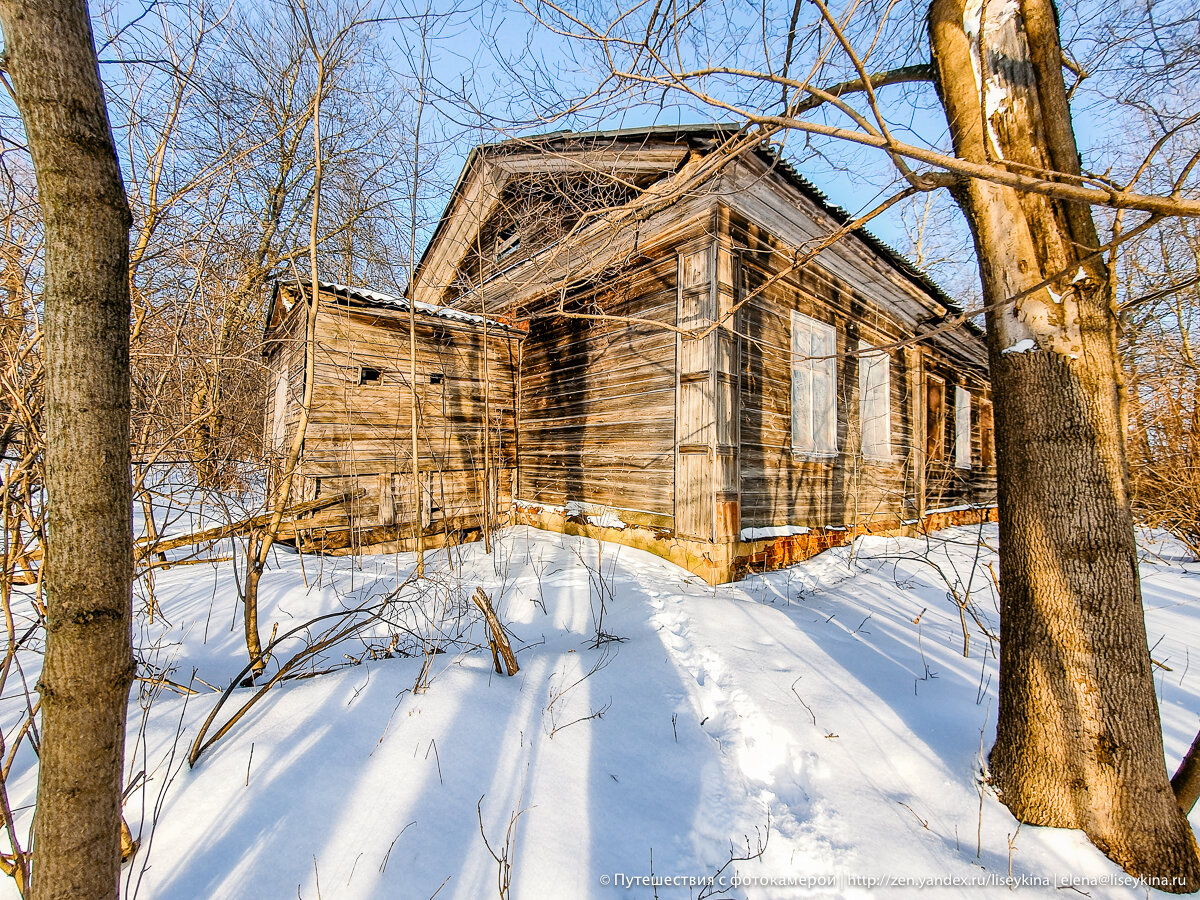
[935, 421]
[987, 434]
[873, 361]
[962, 437]
[805, 372]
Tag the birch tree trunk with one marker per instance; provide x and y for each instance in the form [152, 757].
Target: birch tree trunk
[1078, 742]
[89, 666]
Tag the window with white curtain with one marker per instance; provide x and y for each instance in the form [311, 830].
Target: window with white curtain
[814, 387]
[962, 428]
[874, 402]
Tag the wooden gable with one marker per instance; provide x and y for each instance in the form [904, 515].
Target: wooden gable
[535, 193]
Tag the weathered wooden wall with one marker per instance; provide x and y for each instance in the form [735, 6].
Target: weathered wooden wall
[783, 487]
[597, 410]
[359, 430]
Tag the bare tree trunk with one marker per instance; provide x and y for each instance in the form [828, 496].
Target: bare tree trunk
[415, 446]
[89, 665]
[1186, 782]
[1078, 743]
[414, 417]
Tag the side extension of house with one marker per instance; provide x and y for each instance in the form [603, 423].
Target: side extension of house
[358, 440]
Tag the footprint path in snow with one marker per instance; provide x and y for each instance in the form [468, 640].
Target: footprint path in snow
[765, 756]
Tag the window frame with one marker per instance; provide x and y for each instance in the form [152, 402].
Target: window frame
[806, 371]
[986, 417]
[873, 360]
[935, 420]
[508, 242]
[962, 417]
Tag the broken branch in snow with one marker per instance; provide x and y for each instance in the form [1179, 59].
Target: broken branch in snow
[801, 699]
[712, 886]
[505, 857]
[924, 822]
[499, 641]
[360, 616]
[145, 546]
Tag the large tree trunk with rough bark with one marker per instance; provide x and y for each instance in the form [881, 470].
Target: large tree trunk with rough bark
[89, 665]
[1078, 734]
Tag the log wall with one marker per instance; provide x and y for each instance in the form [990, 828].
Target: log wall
[782, 487]
[359, 430]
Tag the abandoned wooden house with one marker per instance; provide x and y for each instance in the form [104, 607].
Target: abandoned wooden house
[686, 349]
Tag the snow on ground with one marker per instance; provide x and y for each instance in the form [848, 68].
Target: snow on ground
[824, 715]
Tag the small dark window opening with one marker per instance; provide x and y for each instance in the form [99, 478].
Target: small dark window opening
[507, 242]
[369, 375]
[436, 377]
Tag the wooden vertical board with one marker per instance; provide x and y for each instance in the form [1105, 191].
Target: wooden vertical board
[725, 465]
[915, 362]
[693, 495]
[725, 415]
[727, 391]
[695, 425]
[695, 270]
[387, 504]
[694, 401]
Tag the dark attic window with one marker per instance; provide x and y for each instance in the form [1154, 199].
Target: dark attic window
[507, 242]
[436, 377]
[369, 375]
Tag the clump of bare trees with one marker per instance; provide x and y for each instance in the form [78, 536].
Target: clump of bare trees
[1162, 323]
[212, 113]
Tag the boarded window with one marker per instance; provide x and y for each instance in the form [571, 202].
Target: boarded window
[935, 418]
[279, 412]
[874, 402]
[962, 428]
[814, 380]
[987, 435]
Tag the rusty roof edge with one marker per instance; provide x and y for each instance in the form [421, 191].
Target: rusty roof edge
[379, 300]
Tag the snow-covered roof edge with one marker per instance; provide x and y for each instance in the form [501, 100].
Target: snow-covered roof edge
[379, 300]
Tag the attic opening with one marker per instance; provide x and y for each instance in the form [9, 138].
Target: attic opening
[369, 375]
[507, 242]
